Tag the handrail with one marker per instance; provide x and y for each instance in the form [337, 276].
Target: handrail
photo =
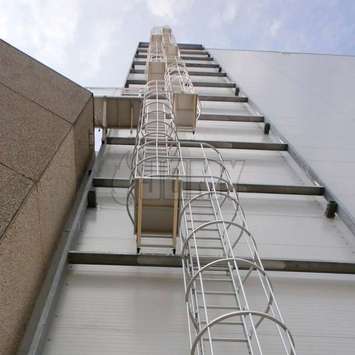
[241, 313]
[234, 259]
[201, 226]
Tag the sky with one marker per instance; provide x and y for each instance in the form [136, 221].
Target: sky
[92, 42]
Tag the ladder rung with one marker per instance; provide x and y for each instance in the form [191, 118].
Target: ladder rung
[201, 200]
[154, 171]
[207, 238]
[156, 246]
[203, 214]
[156, 236]
[209, 247]
[213, 306]
[204, 229]
[220, 293]
[225, 323]
[200, 206]
[229, 340]
[216, 268]
[218, 280]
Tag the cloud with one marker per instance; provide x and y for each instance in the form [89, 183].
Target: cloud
[93, 42]
[230, 11]
[42, 28]
[169, 9]
[275, 27]
[48, 23]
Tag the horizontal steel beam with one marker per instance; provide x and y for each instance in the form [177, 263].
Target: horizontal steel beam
[223, 98]
[188, 65]
[182, 51]
[180, 45]
[280, 189]
[201, 98]
[190, 46]
[194, 51]
[194, 83]
[135, 82]
[218, 98]
[216, 144]
[240, 187]
[189, 57]
[95, 258]
[214, 84]
[183, 57]
[191, 73]
[231, 118]
[157, 260]
[207, 73]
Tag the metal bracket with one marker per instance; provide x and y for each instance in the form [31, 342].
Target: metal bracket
[267, 127]
[331, 209]
[92, 203]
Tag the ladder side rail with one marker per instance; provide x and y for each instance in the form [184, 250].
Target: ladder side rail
[254, 252]
[219, 217]
[197, 260]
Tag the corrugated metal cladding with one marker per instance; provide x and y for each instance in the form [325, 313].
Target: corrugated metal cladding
[120, 310]
[309, 98]
[141, 310]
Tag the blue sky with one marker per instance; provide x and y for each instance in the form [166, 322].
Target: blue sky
[92, 42]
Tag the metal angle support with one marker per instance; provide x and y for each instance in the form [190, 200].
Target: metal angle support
[182, 52]
[231, 118]
[183, 57]
[217, 144]
[180, 45]
[189, 65]
[159, 260]
[195, 83]
[220, 98]
[191, 72]
[240, 187]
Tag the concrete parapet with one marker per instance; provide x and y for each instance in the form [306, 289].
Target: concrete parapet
[46, 143]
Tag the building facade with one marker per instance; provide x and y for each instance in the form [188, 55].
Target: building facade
[199, 229]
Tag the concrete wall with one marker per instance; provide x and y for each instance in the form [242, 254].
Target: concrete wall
[83, 138]
[46, 143]
[58, 183]
[118, 112]
[22, 269]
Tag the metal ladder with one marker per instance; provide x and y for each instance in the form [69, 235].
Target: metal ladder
[230, 302]
[216, 246]
[183, 96]
[155, 173]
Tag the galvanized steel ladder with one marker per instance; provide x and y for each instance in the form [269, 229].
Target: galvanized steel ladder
[229, 299]
[229, 309]
[183, 96]
[156, 169]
